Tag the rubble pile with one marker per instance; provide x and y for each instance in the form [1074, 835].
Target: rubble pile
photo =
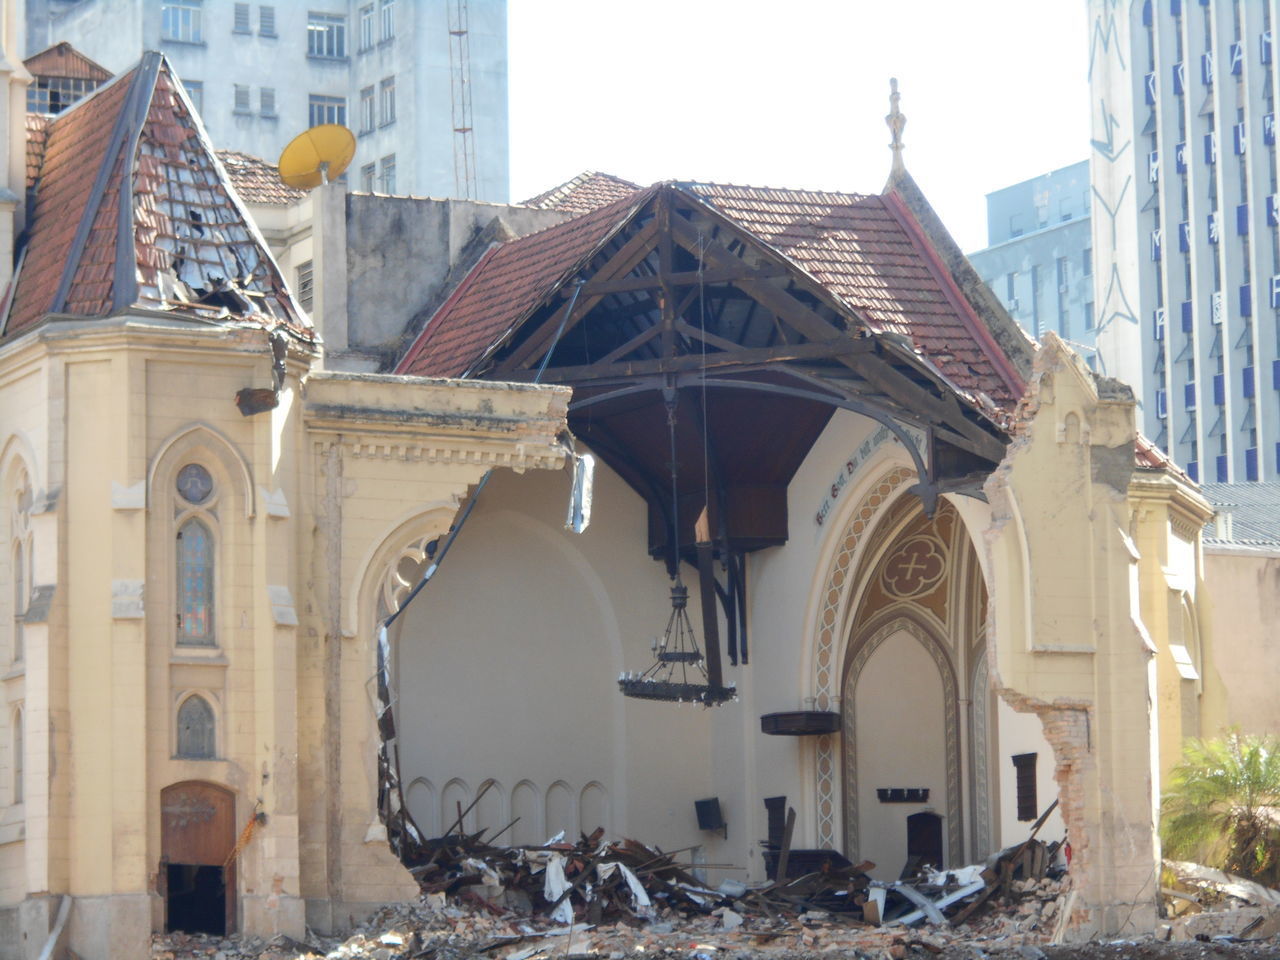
[609, 900]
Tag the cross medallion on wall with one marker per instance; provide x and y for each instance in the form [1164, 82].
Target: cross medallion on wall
[915, 568]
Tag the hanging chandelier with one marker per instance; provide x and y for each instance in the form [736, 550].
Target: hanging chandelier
[680, 673]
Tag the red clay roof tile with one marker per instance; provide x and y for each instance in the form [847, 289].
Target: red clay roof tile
[862, 249]
[192, 248]
[587, 191]
[505, 286]
[258, 181]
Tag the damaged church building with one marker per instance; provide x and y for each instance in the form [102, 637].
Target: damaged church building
[840, 540]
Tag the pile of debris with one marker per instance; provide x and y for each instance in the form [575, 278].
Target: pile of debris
[1203, 903]
[608, 900]
[594, 882]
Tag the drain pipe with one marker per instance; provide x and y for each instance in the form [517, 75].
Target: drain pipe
[50, 945]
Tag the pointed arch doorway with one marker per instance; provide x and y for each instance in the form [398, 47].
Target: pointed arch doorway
[914, 630]
[197, 834]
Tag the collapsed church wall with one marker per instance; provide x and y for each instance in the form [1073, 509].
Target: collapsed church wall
[1066, 636]
[506, 669]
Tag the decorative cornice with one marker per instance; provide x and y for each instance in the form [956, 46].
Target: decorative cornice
[516, 456]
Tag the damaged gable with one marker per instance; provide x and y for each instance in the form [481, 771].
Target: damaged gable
[133, 210]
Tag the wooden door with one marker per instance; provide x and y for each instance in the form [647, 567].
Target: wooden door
[198, 828]
[924, 840]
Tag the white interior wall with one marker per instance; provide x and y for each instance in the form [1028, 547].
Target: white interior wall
[517, 681]
[900, 728]
[1019, 733]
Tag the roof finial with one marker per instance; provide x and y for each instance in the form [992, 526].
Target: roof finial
[896, 122]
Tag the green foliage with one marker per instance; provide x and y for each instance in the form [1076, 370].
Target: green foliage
[1222, 805]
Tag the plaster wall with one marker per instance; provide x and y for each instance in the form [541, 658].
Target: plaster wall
[1021, 733]
[417, 241]
[516, 681]
[1056, 532]
[1244, 591]
[898, 719]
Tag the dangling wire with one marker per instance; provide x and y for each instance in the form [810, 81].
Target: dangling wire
[675, 491]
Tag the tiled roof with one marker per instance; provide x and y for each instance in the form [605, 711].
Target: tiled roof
[37, 139]
[192, 249]
[1148, 455]
[861, 248]
[505, 286]
[1248, 513]
[865, 251]
[64, 60]
[258, 181]
[584, 193]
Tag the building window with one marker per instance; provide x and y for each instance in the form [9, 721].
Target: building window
[369, 177]
[388, 19]
[19, 755]
[1088, 315]
[241, 18]
[387, 100]
[54, 94]
[242, 98]
[1024, 766]
[20, 553]
[366, 27]
[195, 584]
[389, 173]
[195, 92]
[366, 109]
[326, 35]
[180, 21]
[306, 285]
[267, 101]
[1086, 261]
[324, 109]
[266, 20]
[196, 729]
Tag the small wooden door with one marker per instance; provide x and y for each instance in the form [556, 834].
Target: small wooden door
[197, 834]
[924, 840]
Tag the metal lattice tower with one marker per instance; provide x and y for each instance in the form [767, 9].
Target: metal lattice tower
[464, 144]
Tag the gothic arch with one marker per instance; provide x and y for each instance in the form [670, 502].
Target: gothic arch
[826, 630]
[860, 651]
[200, 438]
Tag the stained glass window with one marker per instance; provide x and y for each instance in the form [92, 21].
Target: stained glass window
[195, 729]
[194, 483]
[195, 584]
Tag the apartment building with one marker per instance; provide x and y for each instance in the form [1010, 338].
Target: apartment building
[1039, 258]
[422, 84]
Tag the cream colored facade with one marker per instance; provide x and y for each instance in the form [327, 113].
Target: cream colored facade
[304, 498]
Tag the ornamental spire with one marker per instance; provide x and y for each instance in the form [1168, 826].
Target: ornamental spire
[896, 122]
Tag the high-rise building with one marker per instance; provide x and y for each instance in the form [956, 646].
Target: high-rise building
[422, 84]
[1185, 216]
[1040, 259]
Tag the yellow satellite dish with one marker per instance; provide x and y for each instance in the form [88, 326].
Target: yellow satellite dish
[317, 156]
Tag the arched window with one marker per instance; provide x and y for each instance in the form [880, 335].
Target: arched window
[196, 729]
[17, 756]
[195, 584]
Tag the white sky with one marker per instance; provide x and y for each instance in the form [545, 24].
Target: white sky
[793, 93]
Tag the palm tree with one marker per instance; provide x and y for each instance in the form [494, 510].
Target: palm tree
[1221, 806]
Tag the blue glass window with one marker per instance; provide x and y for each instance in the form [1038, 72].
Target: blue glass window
[1251, 463]
[1246, 382]
[195, 584]
[1246, 300]
[1221, 464]
[196, 729]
